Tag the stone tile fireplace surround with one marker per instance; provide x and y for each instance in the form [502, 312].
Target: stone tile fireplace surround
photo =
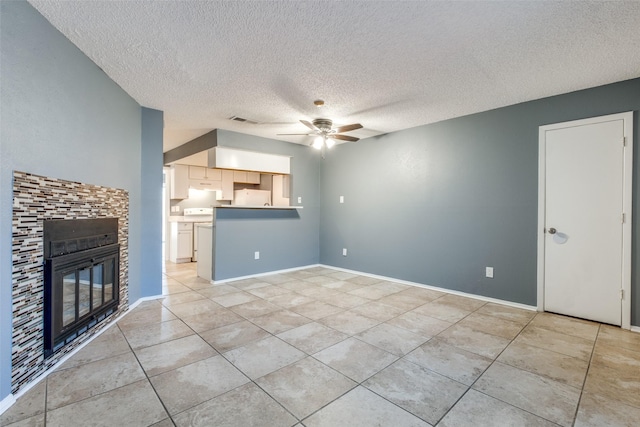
[35, 199]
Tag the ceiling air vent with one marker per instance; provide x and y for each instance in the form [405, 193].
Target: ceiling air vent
[243, 120]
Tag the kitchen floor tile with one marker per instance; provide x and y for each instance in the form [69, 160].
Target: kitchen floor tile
[539, 395]
[474, 341]
[110, 343]
[597, 411]
[290, 300]
[492, 325]
[192, 384]
[71, 385]
[137, 405]
[565, 369]
[567, 325]
[205, 322]
[419, 324]
[452, 362]
[362, 408]
[556, 341]
[616, 337]
[245, 406]
[316, 310]
[512, 314]
[618, 384]
[157, 333]
[392, 339]
[416, 389]
[236, 298]
[305, 386]
[254, 308]
[479, 410]
[445, 312]
[377, 310]
[312, 337]
[259, 358]
[234, 335]
[348, 322]
[30, 405]
[280, 321]
[269, 291]
[173, 354]
[355, 359]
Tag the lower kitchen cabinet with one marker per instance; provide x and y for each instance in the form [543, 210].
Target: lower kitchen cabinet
[181, 247]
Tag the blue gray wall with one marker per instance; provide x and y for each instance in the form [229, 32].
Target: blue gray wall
[63, 117]
[151, 204]
[285, 238]
[436, 204]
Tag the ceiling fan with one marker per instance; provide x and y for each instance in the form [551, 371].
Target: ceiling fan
[326, 134]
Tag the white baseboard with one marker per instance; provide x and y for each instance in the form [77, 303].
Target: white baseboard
[268, 273]
[7, 402]
[635, 329]
[436, 288]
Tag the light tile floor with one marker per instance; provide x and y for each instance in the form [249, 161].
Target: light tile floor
[320, 347]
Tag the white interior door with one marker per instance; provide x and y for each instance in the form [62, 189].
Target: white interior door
[583, 219]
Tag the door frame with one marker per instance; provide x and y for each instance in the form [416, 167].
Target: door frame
[627, 194]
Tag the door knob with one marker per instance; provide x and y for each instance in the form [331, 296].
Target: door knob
[552, 230]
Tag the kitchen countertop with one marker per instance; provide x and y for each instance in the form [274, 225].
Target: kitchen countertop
[258, 207]
[199, 218]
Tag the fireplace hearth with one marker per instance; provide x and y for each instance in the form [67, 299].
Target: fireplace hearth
[81, 270]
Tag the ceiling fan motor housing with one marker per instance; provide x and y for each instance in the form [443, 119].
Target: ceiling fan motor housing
[323, 124]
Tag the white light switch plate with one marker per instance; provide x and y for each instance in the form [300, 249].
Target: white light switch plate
[256, 255]
[489, 272]
[341, 199]
[299, 200]
[344, 251]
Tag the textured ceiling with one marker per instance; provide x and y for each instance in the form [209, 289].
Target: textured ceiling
[389, 65]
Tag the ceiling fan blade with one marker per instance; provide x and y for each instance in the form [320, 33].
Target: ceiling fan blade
[348, 128]
[344, 137]
[309, 125]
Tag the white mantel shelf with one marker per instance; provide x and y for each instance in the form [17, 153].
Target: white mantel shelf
[258, 207]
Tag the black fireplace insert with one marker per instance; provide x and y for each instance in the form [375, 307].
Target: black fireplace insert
[81, 277]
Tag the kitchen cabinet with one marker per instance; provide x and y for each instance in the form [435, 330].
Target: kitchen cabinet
[179, 181]
[204, 233]
[245, 177]
[200, 173]
[181, 247]
[226, 192]
[280, 190]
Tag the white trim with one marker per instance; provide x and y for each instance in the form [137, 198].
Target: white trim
[44, 374]
[627, 196]
[7, 402]
[268, 273]
[635, 329]
[436, 288]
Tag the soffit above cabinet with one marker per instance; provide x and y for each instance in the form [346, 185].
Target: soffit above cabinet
[232, 158]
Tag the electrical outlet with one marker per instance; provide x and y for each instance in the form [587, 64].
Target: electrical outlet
[256, 255]
[344, 251]
[299, 199]
[341, 199]
[489, 272]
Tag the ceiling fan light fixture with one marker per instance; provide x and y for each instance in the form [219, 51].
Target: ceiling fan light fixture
[330, 142]
[317, 142]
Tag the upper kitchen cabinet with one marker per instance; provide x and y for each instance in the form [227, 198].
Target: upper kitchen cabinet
[202, 173]
[232, 158]
[244, 177]
[179, 181]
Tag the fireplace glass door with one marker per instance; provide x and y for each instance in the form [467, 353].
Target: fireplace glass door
[84, 289]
